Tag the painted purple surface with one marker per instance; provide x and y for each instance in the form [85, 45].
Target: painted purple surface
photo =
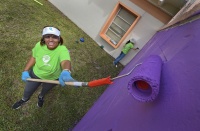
[177, 106]
[149, 71]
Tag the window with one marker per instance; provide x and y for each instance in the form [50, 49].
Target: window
[119, 24]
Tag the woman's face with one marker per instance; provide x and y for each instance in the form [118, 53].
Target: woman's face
[52, 41]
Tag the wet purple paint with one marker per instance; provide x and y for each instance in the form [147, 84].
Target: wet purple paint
[176, 108]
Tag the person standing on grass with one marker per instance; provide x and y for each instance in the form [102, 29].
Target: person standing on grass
[50, 60]
[129, 45]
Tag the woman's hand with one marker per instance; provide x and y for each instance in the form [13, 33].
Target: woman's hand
[65, 76]
[136, 48]
[25, 75]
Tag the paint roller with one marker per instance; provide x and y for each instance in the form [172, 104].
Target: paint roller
[145, 82]
[91, 84]
[144, 85]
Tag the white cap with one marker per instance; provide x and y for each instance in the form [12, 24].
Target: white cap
[51, 30]
[132, 40]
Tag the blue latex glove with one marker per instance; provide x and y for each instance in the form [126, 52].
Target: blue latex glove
[25, 75]
[65, 76]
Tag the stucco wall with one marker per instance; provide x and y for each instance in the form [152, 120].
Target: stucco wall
[90, 16]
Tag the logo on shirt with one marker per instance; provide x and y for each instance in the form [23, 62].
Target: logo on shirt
[46, 59]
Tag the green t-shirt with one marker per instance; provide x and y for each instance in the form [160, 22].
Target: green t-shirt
[47, 64]
[127, 47]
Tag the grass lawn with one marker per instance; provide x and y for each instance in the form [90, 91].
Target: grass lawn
[21, 22]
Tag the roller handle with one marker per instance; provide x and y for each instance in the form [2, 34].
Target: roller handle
[57, 82]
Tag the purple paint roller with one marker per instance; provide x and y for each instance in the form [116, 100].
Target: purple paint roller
[144, 85]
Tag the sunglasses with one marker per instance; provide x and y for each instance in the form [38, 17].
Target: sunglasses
[52, 36]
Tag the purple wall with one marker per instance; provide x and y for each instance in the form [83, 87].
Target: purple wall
[177, 107]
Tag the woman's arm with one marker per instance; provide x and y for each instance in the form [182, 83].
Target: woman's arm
[136, 48]
[29, 64]
[66, 64]
[65, 75]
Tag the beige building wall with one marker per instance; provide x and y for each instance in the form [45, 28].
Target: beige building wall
[90, 16]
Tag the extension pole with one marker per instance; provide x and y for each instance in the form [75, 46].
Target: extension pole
[94, 83]
[126, 73]
[57, 82]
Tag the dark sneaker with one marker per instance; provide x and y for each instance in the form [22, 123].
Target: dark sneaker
[18, 104]
[40, 101]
